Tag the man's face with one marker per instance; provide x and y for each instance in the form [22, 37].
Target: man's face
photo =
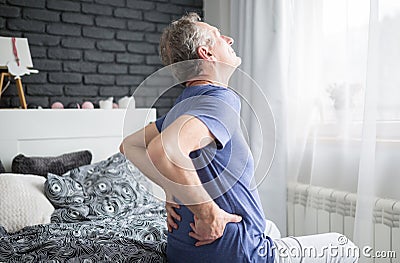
[222, 50]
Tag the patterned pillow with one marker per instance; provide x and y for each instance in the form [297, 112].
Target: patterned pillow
[106, 189]
[63, 191]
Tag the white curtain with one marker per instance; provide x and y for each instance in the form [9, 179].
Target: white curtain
[253, 40]
[331, 72]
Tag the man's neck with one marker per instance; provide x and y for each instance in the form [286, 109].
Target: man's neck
[198, 83]
[203, 82]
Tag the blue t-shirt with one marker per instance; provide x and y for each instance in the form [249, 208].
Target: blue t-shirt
[226, 170]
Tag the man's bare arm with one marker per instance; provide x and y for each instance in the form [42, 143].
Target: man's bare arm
[168, 155]
[148, 149]
[169, 152]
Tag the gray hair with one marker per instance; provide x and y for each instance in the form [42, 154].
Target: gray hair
[180, 40]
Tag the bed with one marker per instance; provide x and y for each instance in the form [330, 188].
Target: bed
[103, 211]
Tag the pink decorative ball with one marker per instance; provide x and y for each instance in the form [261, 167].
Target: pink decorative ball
[115, 106]
[57, 105]
[87, 105]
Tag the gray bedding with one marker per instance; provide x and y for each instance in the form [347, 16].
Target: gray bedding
[104, 213]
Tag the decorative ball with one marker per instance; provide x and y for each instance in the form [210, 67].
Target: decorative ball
[57, 105]
[115, 106]
[87, 105]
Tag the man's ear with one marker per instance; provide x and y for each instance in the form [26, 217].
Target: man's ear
[205, 53]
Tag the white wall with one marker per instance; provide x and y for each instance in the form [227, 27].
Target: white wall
[217, 13]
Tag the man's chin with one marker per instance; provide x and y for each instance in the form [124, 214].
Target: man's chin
[239, 61]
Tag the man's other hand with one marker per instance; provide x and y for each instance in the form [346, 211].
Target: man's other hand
[170, 206]
[208, 229]
[172, 215]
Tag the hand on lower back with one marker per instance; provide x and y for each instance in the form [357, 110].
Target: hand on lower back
[208, 229]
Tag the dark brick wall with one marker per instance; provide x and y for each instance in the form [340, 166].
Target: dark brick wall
[90, 49]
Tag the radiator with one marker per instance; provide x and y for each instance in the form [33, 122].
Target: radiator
[329, 210]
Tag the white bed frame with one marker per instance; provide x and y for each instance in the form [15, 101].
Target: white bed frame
[50, 132]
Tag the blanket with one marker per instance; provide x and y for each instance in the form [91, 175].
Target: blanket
[104, 213]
